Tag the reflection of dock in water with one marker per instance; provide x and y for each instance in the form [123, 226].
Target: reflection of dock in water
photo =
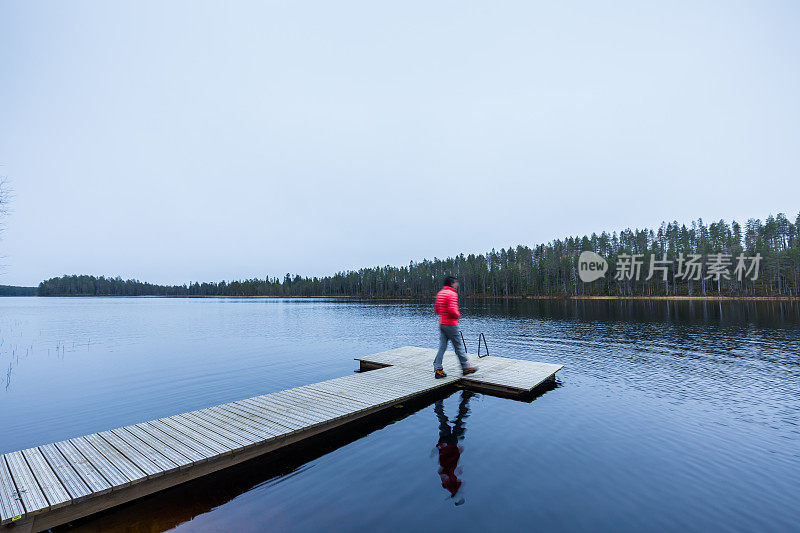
[53, 484]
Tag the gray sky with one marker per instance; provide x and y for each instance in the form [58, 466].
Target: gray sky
[174, 141]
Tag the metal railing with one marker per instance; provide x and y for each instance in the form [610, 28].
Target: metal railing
[481, 337]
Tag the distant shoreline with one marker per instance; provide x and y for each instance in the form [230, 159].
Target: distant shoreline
[515, 297]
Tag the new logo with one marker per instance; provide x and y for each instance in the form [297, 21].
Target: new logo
[591, 266]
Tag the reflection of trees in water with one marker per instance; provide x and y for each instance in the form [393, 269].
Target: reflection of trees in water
[763, 331]
[766, 314]
[449, 447]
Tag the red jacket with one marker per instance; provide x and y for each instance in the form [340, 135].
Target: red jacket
[447, 306]
[448, 462]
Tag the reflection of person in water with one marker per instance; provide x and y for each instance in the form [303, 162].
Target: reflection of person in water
[448, 446]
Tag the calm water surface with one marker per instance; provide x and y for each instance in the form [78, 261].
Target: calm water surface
[666, 416]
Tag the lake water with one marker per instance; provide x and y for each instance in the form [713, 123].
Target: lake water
[666, 416]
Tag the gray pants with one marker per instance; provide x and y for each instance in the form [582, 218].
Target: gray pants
[449, 333]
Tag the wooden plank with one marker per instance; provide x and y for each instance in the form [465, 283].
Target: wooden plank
[29, 491]
[365, 402]
[279, 412]
[500, 372]
[306, 402]
[362, 400]
[351, 395]
[133, 455]
[10, 503]
[117, 458]
[380, 384]
[418, 358]
[55, 492]
[402, 378]
[224, 435]
[415, 376]
[86, 470]
[178, 441]
[190, 438]
[522, 380]
[106, 468]
[75, 486]
[285, 412]
[196, 434]
[372, 397]
[396, 389]
[279, 416]
[262, 417]
[396, 370]
[376, 397]
[418, 379]
[296, 403]
[320, 402]
[155, 450]
[365, 382]
[408, 356]
[238, 422]
[247, 423]
[224, 428]
[316, 410]
[354, 404]
[331, 402]
[278, 423]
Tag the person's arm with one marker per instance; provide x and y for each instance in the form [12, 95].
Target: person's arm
[454, 313]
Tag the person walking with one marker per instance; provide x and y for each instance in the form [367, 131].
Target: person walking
[446, 307]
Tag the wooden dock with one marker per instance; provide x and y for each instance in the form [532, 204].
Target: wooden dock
[53, 484]
[499, 375]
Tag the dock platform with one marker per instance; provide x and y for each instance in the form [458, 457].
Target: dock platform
[499, 375]
[53, 484]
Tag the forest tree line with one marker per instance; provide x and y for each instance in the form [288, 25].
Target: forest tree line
[12, 290]
[544, 270]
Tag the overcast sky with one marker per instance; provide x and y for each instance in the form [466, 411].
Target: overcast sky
[173, 141]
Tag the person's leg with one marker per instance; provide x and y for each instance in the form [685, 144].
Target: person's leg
[437, 361]
[444, 424]
[458, 346]
[459, 426]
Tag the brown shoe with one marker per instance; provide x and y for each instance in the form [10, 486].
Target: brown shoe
[439, 374]
[469, 370]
